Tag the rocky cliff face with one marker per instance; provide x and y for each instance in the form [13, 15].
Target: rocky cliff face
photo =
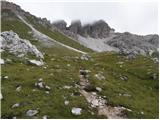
[128, 43]
[61, 24]
[99, 36]
[98, 29]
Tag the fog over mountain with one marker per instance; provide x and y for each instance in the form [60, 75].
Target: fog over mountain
[135, 17]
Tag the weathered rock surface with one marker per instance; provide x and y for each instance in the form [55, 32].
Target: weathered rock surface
[36, 62]
[42, 85]
[76, 111]
[99, 76]
[17, 46]
[98, 29]
[99, 36]
[1, 96]
[128, 43]
[1, 61]
[31, 113]
[16, 105]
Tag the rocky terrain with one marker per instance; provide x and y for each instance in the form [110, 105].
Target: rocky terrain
[17, 46]
[48, 71]
[99, 36]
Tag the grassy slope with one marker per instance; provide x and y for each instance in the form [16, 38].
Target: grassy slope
[57, 36]
[140, 85]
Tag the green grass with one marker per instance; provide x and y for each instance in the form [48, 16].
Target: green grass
[15, 25]
[144, 93]
[144, 90]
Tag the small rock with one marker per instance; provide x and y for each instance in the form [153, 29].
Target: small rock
[45, 67]
[126, 95]
[35, 62]
[16, 105]
[95, 103]
[85, 57]
[18, 88]
[34, 90]
[68, 65]
[155, 76]
[52, 59]
[125, 78]
[94, 93]
[6, 77]
[98, 89]
[47, 92]
[66, 102]
[51, 74]
[83, 73]
[8, 60]
[40, 79]
[28, 69]
[99, 76]
[1, 61]
[31, 113]
[1, 96]
[45, 117]
[104, 97]
[40, 85]
[76, 111]
[67, 87]
[47, 87]
[14, 118]
[120, 63]
[1, 50]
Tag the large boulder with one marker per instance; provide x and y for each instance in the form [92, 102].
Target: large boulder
[20, 47]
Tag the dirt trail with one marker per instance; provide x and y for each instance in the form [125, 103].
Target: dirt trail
[98, 102]
[44, 37]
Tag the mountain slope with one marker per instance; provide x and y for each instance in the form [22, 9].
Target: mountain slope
[131, 84]
[99, 36]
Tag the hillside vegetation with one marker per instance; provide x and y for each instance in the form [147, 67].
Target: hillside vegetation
[131, 83]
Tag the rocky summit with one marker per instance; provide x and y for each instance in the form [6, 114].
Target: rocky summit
[99, 36]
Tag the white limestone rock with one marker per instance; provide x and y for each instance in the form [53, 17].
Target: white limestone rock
[20, 47]
[1, 61]
[76, 111]
[16, 105]
[31, 113]
[36, 62]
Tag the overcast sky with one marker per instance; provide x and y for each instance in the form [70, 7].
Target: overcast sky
[135, 17]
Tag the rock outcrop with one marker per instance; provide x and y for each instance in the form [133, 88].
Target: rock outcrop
[98, 29]
[128, 43]
[20, 47]
[99, 36]
[14, 8]
[61, 24]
